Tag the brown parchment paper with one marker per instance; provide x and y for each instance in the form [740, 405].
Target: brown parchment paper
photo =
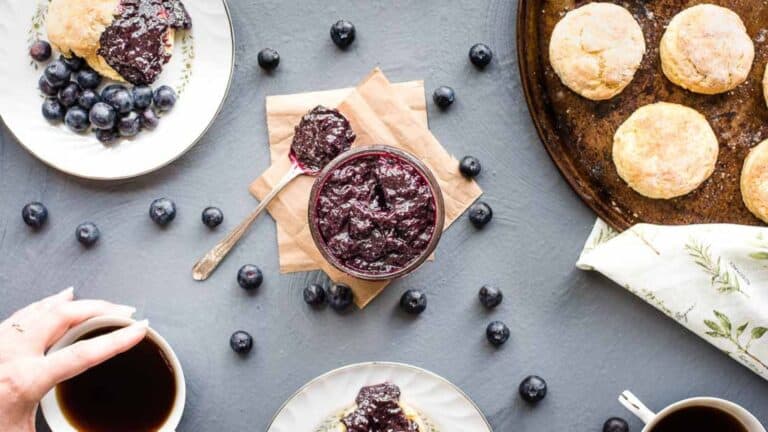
[380, 113]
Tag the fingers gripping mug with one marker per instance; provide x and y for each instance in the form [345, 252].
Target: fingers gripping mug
[141, 389]
[686, 414]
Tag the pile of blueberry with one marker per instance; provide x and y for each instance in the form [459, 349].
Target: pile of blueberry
[72, 96]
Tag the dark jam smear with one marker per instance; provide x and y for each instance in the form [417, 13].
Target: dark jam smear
[378, 410]
[177, 14]
[135, 43]
[322, 134]
[376, 213]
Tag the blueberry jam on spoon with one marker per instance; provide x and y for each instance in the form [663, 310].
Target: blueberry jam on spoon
[321, 135]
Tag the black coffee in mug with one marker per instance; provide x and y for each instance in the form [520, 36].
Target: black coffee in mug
[699, 419]
[132, 392]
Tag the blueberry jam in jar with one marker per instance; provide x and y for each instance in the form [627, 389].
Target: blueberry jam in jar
[375, 212]
[322, 134]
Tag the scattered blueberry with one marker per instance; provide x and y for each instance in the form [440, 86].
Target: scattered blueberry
[470, 166]
[149, 119]
[162, 211]
[164, 98]
[314, 295]
[129, 124]
[87, 233]
[480, 214]
[339, 296]
[88, 78]
[413, 301]
[57, 73]
[52, 110]
[268, 59]
[77, 119]
[74, 63]
[120, 99]
[34, 214]
[142, 96]
[533, 389]
[107, 136]
[102, 115]
[480, 55]
[615, 424]
[490, 296]
[88, 99]
[212, 217]
[444, 97]
[343, 33]
[107, 91]
[497, 333]
[249, 277]
[69, 94]
[40, 51]
[46, 87]
[241, 342]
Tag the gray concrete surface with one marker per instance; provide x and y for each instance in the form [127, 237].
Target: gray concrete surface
[586, 336]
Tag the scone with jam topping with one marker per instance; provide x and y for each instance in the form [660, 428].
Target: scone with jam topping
[124, 40]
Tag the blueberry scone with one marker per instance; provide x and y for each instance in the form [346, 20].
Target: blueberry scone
[125, 40]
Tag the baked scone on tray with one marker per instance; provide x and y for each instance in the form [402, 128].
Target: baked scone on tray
[665, 150]
[596, 50]
[754, 181]
[706, 49]
[124, 40]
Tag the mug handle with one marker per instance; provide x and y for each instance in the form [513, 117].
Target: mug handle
[636, 407]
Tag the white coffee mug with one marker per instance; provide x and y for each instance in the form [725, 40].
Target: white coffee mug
[50, 405]
[651, 419]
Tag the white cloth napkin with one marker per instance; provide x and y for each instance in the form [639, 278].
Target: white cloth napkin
[712, 279]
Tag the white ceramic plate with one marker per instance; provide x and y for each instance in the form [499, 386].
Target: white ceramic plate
[200, 71]
[442, 403]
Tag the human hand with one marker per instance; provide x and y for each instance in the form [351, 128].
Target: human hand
[27, 373]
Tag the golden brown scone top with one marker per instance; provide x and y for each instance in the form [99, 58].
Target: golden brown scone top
[75, 27]
[754, 181]
[665, 150]
[596, 50]
[706, 49]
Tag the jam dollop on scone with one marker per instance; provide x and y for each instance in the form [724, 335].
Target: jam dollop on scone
[125, 40]
[379, 410]
[376, 213]
[322, 134]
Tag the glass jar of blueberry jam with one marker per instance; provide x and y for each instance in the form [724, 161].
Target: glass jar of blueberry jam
[376, 212]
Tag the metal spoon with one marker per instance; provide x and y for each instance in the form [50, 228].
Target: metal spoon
[207, 264]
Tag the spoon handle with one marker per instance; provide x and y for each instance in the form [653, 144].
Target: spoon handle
[207, 264]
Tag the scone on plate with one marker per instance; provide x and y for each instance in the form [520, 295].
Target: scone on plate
[754, 181]
[378, 408]
[706, 49]
[124, 40]
[665, 150]
[596, 50]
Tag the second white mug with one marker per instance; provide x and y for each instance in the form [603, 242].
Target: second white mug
[651, 419]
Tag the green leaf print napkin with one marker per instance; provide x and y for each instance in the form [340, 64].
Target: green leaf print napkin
[713, 279]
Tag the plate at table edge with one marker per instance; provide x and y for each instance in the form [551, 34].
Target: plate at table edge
[441, 402]
[195, 69]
